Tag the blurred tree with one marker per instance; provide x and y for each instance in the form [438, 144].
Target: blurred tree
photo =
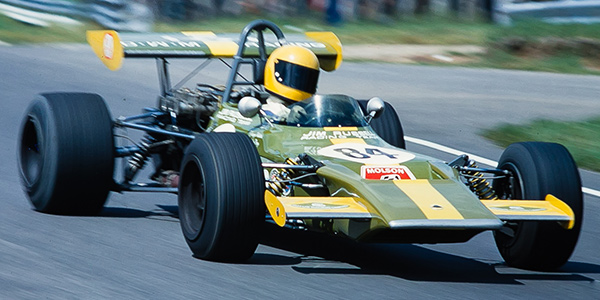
[422, 7]
[301, 6]
[333, 16]
[488, 10]
[390, 7]
[454, 6]
[218, 5]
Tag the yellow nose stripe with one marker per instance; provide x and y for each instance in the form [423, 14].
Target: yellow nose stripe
[433, 204]
[347, 140]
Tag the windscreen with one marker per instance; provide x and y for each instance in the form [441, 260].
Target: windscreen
[326, 111]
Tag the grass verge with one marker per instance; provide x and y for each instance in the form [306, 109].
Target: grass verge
[15, 32]
[582, 138]
[426, 30]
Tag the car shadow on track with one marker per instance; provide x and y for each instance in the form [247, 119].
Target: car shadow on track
[320, 252]
[166, 212]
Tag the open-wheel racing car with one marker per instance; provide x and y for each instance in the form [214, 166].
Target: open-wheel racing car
[340, 167]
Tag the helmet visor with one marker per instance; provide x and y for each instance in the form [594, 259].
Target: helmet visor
[297, 77]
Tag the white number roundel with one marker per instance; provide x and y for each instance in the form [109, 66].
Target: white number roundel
[366, 154]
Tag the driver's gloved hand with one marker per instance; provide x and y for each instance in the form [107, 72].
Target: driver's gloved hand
[296, 114]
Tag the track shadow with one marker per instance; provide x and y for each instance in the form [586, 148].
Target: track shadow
[407, 261]
[319, 253]
[169, 211]
[580, 267]
[269, 259]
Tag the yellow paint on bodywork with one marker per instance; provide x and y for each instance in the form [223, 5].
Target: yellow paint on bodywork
[564, 208]
[330, 205]
[348, 140]
[107, 46]
[275, 208]
[433, 204]
[533, 210]
[340, 128]
[328, 38]
[219, 47]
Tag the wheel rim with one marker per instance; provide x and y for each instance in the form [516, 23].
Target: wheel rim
[513, 190]
[31, 152]
[193, 206]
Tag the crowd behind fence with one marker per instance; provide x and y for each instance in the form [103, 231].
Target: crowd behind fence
[139, 15]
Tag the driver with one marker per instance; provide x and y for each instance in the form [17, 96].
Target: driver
[291, 75]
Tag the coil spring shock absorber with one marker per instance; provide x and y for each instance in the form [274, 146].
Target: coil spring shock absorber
[275, 185]
[138, 159]
[277, 176]
[294, 162]
[479, 184]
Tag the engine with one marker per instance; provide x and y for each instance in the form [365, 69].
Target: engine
[191, 108]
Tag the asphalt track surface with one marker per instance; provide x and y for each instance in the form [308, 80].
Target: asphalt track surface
[135, 249]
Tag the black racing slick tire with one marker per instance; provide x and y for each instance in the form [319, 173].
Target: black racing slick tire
[221, 197]
[539, 169]
[65, 153]
[387, 125]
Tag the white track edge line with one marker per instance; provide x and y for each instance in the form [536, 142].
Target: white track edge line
[476, 158]
[590, 191]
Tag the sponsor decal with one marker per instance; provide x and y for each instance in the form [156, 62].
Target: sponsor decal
[386, 173]
[252, 42]
[311, 150]
[318, 205]
[233, 116]
[161, 44]
[517, 208]
[366, 154]
[108, 46]
[198, 41]
[338, 134]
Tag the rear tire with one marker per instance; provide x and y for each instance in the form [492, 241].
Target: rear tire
[387, 125]
[221, 197]
[539, 169]
[66, 153]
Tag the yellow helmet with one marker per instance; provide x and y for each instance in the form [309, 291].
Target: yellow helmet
[292, 73]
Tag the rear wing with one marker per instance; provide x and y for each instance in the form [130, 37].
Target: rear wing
[111, 47]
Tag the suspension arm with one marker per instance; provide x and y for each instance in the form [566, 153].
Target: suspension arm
[290, 167]
[483, 170]
[121, 123]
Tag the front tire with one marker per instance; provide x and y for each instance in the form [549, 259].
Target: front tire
[221, 197]
[66, 153]
[539, 169]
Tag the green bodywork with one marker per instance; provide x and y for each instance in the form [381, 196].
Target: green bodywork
[383, 198]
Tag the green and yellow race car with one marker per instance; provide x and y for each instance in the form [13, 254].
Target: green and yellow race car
[331, 163]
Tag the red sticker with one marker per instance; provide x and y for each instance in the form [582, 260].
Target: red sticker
[386, 173]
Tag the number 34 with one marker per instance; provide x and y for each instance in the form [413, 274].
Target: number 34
[369, 152]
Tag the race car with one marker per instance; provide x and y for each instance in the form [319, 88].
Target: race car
[340, 168]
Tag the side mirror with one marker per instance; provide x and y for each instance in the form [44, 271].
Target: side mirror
[375, 108]
[249, 106]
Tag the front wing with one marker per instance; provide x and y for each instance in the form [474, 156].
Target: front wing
[282, 209]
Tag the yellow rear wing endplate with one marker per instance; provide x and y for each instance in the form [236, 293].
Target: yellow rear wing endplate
[549, 209]
[283, 208]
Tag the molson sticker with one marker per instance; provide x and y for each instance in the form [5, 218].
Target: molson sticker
[386, 173]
